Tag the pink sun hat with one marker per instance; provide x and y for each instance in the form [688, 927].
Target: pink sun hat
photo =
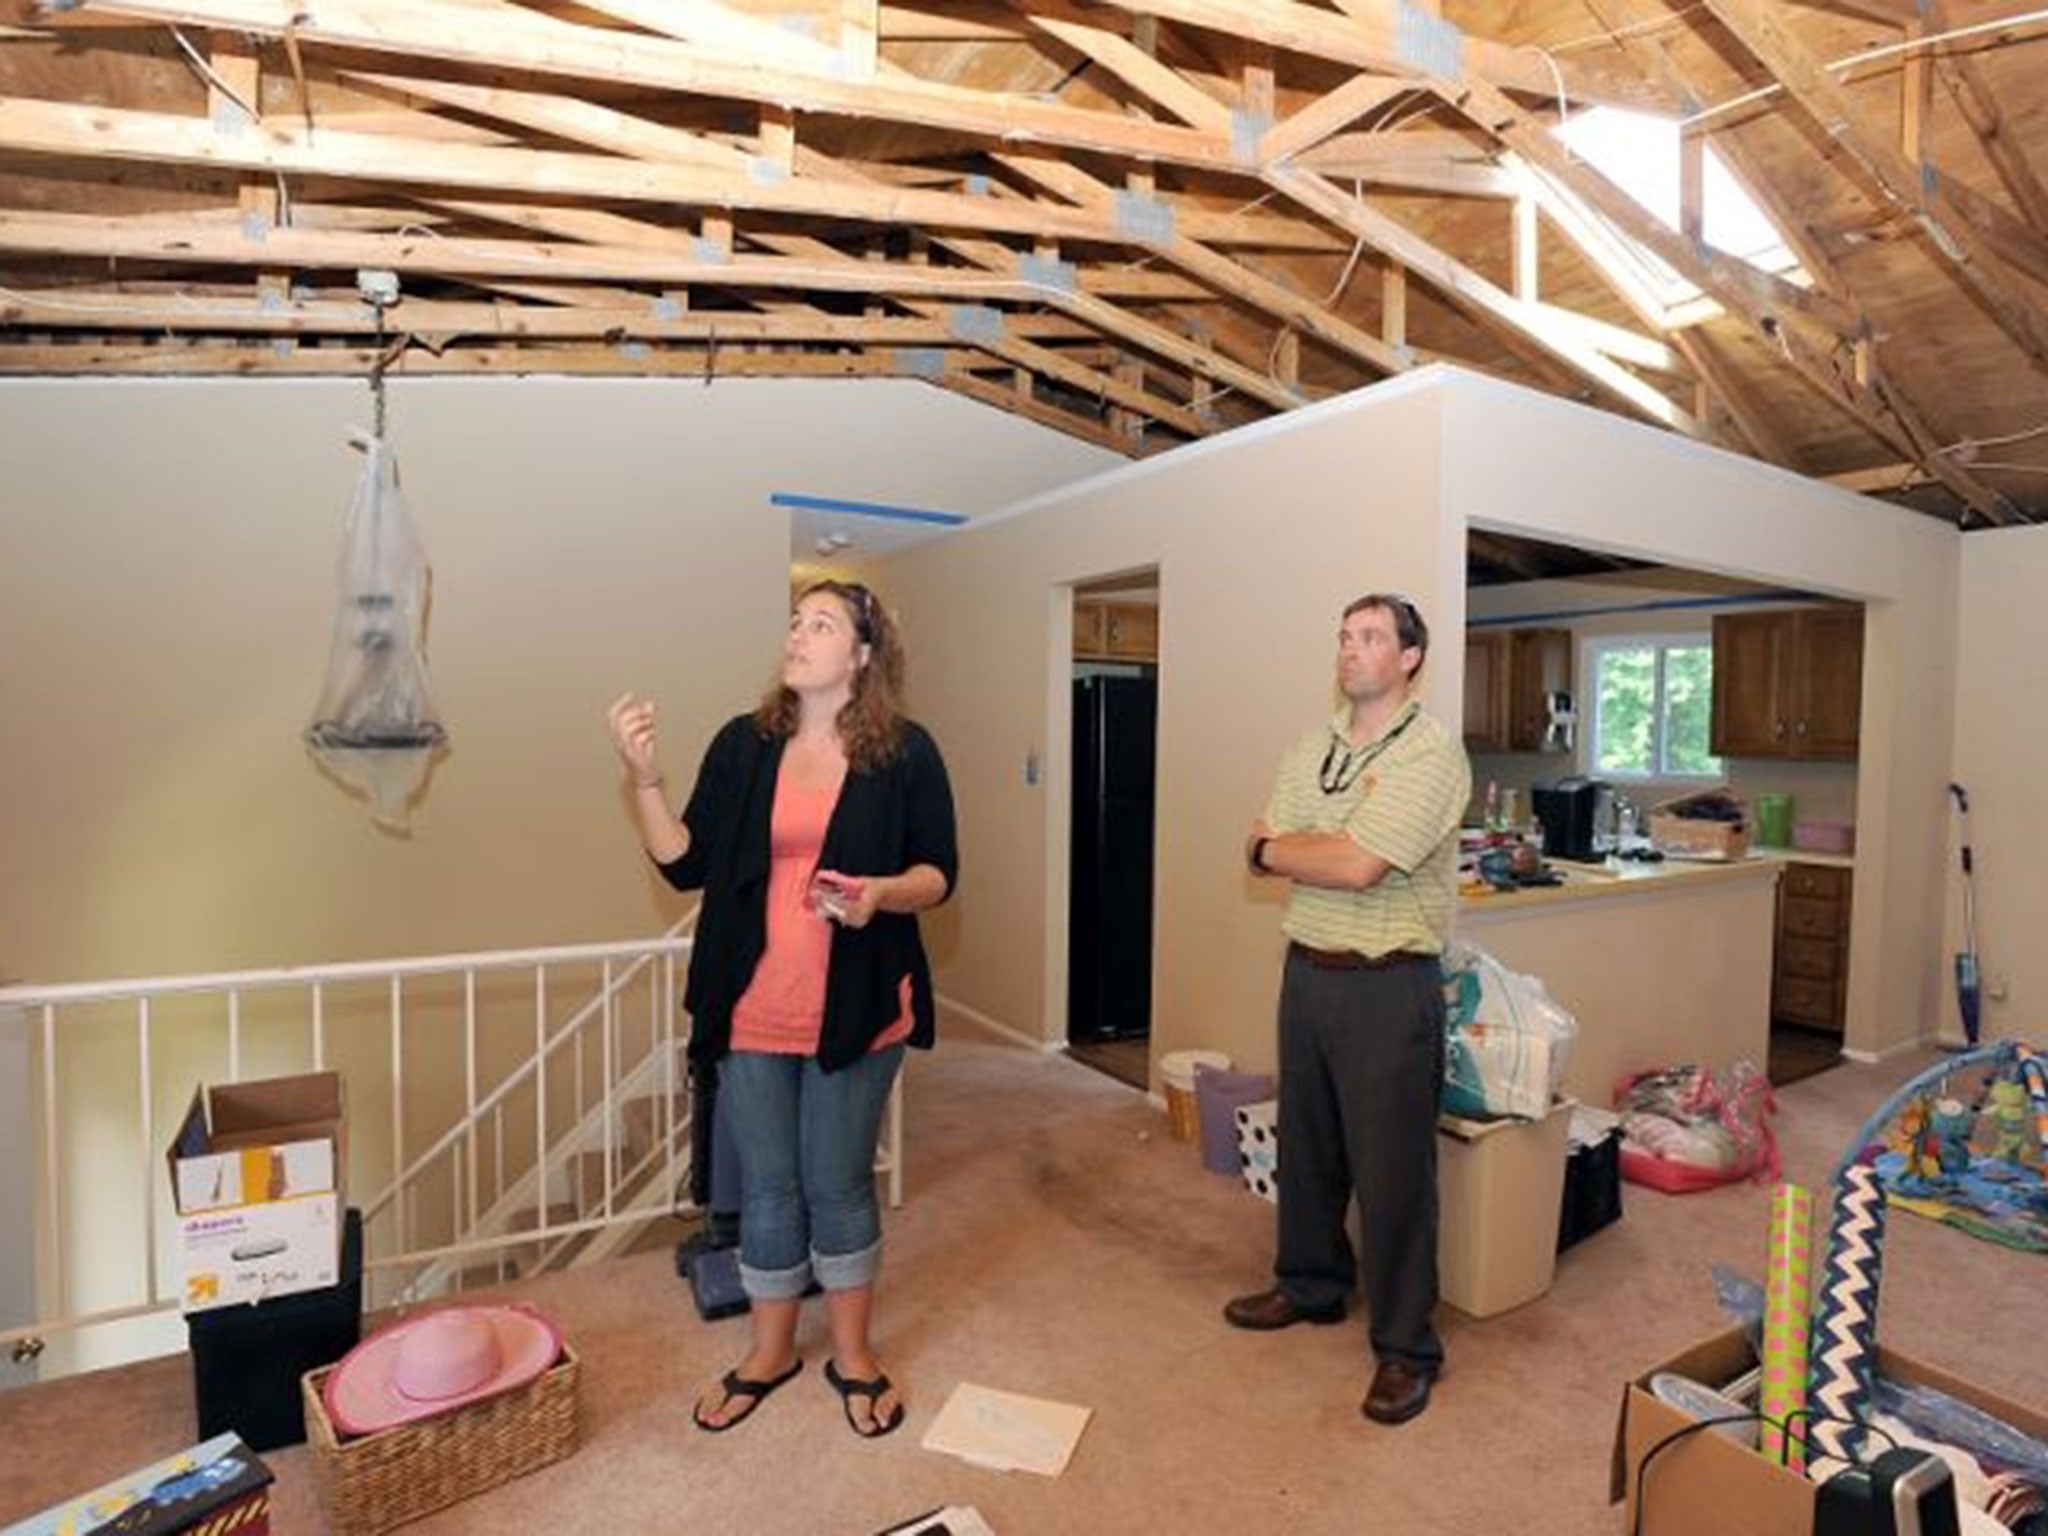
[437, 1362]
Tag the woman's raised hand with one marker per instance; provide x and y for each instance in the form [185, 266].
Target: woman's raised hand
[632, 726]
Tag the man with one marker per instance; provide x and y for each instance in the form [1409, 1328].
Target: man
[1363, 822]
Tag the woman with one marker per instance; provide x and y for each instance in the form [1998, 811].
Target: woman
[818, 827]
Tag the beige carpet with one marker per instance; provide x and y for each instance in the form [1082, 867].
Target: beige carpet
[1056, 1242]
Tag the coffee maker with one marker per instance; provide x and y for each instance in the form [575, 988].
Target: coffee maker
[1574, 813]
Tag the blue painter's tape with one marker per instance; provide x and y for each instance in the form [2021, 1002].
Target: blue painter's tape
[1048, 272]
[255, 227]
[1143, 218]
[713, 253]
[978, 184]
[1428, 43]
[804, 503]
[666, 308]
[922, 362]
[764, 172]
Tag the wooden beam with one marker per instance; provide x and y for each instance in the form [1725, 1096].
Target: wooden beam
[1229, 278]
[1331, 113]
[1499, 310]
[988, 331]
[1731, 281]
[635, 317]
[1394, 304]
[108, 133]
[623, 133]
[509, 38]
[1751, 420]
[1372, 37]
[1922, 193]
[1987, 119]
[1155, 81]
[169, 238]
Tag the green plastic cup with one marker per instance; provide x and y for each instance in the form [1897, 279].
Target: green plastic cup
[1774, 821]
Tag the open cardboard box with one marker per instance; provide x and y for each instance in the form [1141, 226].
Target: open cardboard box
[1709, 1485]
[257, 1175]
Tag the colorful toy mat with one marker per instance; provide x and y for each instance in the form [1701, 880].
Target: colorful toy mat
[1966, 1143]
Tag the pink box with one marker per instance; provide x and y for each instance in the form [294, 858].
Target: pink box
[1824, 836]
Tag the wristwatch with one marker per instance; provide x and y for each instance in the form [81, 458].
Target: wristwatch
[1259, 855]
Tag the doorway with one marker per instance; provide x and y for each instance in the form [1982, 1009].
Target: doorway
[1115, 691]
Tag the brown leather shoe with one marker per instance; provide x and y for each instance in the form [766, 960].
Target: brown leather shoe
[1264, 1311]
[1399, 1392]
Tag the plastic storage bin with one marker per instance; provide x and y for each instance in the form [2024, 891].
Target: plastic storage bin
[247, 1359]
[1501, 1186]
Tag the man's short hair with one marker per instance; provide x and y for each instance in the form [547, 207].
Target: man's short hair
[1408, 626]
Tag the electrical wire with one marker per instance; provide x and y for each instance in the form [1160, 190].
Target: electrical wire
[212, 78]
[1804, 1437]
[1617, 35]
[1868, 55]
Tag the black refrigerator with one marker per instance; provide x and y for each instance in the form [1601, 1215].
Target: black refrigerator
[1109, 934]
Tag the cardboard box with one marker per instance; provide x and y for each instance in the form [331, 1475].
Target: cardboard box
[1708, 1485]
[1500, 1185]
[258, 1178]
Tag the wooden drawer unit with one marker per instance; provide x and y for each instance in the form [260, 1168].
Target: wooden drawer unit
[1810, 971]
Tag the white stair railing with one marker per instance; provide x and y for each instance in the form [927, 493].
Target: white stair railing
[115, 1063]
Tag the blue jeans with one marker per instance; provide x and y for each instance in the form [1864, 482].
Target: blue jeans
[807, 1158]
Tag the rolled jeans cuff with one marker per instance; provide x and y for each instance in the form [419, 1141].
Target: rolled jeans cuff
[848, 1271]
[775, 1284]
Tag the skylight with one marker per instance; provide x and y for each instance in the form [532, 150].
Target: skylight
[1639, 153]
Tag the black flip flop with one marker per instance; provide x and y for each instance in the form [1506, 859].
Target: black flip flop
[735, 1385]
[850, 1387]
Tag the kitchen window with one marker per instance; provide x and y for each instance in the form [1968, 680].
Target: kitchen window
[1652, 707]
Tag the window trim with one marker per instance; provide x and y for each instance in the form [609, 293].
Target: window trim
[1594, 649]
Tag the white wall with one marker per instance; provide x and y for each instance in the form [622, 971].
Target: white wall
[2001, 726]
[1259, 537]
[1530, 464]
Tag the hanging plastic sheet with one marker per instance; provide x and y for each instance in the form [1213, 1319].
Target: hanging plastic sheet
[375, 728]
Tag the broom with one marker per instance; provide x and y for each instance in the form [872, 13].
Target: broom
[1969, 993]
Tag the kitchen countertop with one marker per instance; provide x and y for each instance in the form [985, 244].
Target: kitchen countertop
[1628, 878]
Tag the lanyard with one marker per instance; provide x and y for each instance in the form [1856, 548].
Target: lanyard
[1338, 775]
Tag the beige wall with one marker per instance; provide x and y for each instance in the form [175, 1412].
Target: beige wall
[2001, 724]
[1259, 538]
[167, 557]
[1531, 464]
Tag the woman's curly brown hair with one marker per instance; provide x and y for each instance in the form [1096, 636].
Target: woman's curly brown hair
[871, 722]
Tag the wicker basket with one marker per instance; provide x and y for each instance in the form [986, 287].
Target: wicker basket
[373, 1483]
[1698, 839]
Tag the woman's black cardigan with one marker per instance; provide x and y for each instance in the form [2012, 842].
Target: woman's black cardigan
[886, 820]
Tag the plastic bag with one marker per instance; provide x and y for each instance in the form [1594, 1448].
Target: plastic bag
[375, 728]
[1507, 1042]
[1684, 1129]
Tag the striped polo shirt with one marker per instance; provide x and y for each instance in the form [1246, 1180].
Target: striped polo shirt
[1400, 796]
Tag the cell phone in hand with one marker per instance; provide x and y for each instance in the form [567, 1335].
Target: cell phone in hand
[831, 891]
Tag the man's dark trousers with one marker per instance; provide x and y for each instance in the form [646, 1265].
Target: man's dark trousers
[1361, 1073]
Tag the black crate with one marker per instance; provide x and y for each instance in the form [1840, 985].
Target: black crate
[1592, 1190]
[247, 1360]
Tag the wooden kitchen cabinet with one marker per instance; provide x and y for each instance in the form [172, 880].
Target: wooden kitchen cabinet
[1788, 683]
[1810, 966]
[1106, 630]
[1486, 691]
[1509, 677]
